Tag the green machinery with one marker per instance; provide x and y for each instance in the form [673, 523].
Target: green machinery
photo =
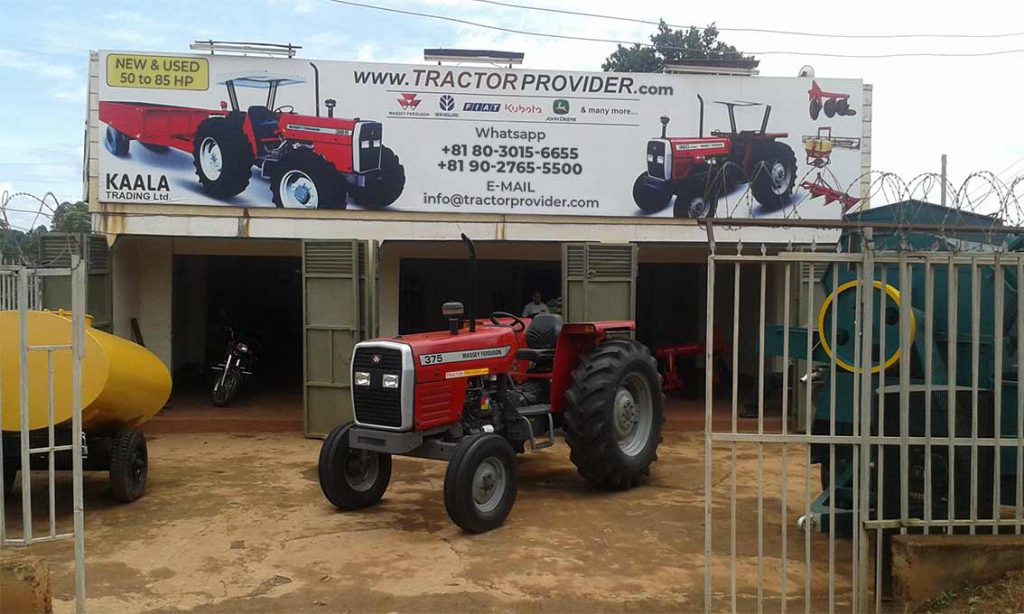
[973, 330]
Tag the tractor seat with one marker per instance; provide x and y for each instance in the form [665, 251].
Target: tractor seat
[264, 123]
[541, 339]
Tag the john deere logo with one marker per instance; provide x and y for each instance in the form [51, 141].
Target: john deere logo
[560, 106]
[447, 103]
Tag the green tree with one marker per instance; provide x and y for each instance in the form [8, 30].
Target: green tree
[693, 45]
[72, 217]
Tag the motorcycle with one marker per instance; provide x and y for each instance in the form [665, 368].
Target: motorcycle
[236, 367]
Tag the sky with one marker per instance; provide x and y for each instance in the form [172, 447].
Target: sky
[968, 108]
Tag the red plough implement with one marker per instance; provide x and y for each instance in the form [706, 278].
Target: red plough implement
[670, 357]
[819, 149]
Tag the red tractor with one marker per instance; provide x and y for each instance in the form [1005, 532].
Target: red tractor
[698, 171]
[311, 161]
[481, 392]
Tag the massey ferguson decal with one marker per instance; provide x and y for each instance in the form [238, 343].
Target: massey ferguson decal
[288, 134]
[448, 357]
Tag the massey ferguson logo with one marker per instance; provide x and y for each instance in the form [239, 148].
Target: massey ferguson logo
[375, 359]
[409, 102]
[447, 103]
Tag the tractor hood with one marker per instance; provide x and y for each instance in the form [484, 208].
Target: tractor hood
[442, 355]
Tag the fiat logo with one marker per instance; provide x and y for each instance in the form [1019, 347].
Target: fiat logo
[375, 359]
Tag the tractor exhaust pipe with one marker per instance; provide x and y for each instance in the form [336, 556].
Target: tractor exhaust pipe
[700, 131]
[471, 304]
[316, 87]
[764, 122]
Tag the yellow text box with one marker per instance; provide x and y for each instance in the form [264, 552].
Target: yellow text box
[158, 72]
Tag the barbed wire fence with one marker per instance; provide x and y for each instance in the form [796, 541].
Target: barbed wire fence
[23, 217]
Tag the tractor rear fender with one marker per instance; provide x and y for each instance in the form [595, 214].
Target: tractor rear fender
[576, 340]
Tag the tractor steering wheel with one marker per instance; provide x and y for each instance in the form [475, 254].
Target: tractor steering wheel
[287, 108]
[515, 321]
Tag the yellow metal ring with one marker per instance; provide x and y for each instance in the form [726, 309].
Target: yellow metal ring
[892, 293]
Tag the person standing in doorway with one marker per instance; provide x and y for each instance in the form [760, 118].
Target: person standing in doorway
[535, 306]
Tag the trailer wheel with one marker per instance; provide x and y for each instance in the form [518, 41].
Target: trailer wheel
[10, 472]
[222, 156]
[774, 174]
[830, 107]
[129, 465]
[116, 142]
[351, 479]
[305, 180]
[381, 193]
[480, 484]
[649, 199]
[614, 414]
[815, 108]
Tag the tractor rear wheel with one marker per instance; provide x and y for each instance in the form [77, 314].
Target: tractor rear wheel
[480, 483]
[10, 471]
[305, 180]
[774, 174]
[129, 465]
[116, 142]
[650, 200]
[351, 479]
[381, 193]
[222, 156]
[614, 414]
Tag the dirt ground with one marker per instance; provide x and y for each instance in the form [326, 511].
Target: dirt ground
[237, 523]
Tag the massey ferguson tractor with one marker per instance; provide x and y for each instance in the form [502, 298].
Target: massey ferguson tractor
[698, 171]
[481, 392]
[312, 161]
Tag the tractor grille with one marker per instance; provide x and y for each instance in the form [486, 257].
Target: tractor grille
[656, 151]
[376, 405]
[366, 142]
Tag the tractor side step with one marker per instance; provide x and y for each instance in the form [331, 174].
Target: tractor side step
[535, 411]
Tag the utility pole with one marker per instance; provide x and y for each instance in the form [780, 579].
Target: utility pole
[943, 180]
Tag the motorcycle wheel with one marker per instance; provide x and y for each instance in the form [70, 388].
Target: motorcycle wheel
[227, 389]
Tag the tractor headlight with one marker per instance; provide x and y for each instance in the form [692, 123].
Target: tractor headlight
[390, 380]
[362, 378]
[661, 159]
[364, 144]
[650, 157]
[376, 143]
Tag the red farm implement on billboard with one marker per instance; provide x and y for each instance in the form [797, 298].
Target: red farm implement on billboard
[312, 161]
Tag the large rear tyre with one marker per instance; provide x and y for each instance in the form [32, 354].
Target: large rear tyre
[650, 200]
[351, 479]
[223, 157]
[129, 465]
[480, 484]
[305, 180]
[10, 472]
[614, 415]
[386, 190]
[774, 175]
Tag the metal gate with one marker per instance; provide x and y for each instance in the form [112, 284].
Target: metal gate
[38, 449]
[908, 363]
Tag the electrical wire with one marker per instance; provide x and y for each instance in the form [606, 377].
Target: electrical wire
[514, 5]
[590, 39]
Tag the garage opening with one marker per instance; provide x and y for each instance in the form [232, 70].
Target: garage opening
[259, 300]
[502, 285]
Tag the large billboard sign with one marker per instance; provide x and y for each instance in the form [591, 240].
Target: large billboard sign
[299, 134]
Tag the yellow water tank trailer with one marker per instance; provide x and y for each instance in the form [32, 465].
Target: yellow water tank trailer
[123, 386]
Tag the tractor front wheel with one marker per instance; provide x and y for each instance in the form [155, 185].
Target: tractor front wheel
[385, 190]
[129, 465]
[351, 479]
[774, 174]
[305, 180]
[650, 200]
[480, 484]
[614, 415]
[222, 156]
[696, 199]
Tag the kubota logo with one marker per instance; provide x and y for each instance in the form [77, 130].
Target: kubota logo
[447, 103]
[409, 101]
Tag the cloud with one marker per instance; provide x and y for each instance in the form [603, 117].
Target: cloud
[75, 95]
[297, 6]
[12, 59]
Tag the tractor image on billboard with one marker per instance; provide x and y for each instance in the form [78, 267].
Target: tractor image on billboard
[699, 171]
[312, 161]
[481, 392]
